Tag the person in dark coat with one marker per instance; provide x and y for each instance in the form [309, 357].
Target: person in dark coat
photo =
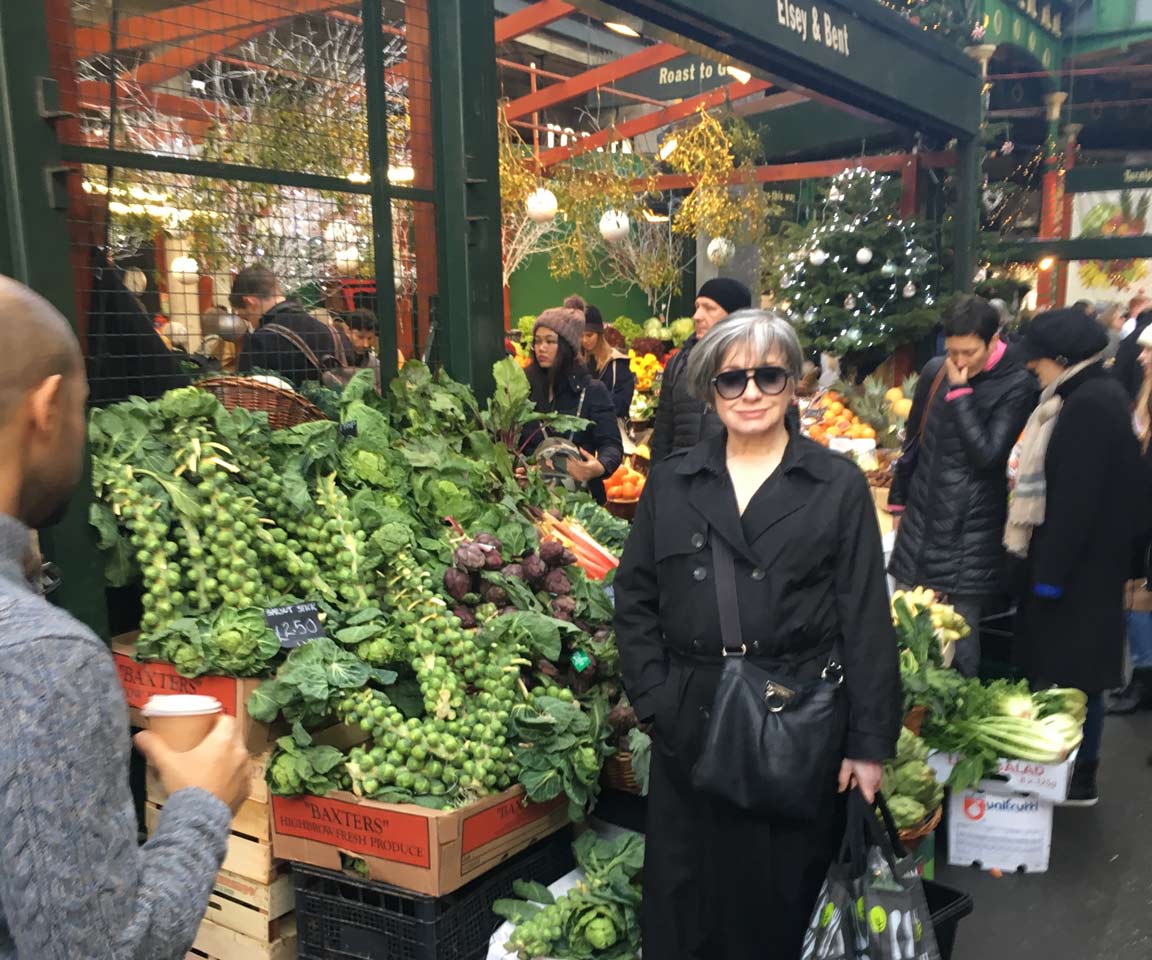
[950, 490]
[256, 298]
[1126, 368]
[607, 364]
[682, 421]
[126, 356]
[1079, 511]
[561, 384]
[721, 883]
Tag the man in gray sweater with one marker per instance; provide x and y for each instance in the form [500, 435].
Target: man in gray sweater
[73, 881]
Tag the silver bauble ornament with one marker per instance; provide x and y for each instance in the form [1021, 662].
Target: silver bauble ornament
[909, 290]
[541, 205]
[614, 226]
[721, 250]
[864, 256]
[889, 269]
[818, 257]
[849, 302]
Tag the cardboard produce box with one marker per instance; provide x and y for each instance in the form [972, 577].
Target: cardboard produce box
[142, 679]
[1045, 781]
[1002, 831]
[426, 851]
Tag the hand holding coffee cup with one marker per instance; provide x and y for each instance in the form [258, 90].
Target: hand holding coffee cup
[206, 751]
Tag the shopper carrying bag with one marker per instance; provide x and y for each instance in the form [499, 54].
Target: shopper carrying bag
[754, 630]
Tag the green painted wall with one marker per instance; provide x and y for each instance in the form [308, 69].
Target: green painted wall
[533, 289]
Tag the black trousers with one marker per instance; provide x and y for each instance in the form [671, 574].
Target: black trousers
[720, 884]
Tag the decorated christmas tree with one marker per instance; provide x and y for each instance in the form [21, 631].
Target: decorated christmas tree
[858, 277]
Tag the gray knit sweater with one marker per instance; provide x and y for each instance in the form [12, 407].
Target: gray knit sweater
[74, 883]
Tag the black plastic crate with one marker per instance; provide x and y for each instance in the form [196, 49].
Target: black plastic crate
[948, 906]
[339, 917]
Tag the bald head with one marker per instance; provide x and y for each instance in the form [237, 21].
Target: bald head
[36, 343]
[42, 407]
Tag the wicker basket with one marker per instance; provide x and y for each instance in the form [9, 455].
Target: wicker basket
[624, 509]
[618, 774]
[910, 838]
[284, 408]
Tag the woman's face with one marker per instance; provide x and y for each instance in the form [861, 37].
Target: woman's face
[1046, 369]
[753, 412]
[590, 341]
[545, 345]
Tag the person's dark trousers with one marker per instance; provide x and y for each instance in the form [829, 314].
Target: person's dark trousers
[1093, 731]
[722, 884]
[967, 660]
[1083, 791]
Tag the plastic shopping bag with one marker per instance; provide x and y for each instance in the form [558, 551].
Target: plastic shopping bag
[886, 914]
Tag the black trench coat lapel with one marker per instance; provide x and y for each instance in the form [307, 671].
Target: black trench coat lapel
[713, 498]
[764, 512]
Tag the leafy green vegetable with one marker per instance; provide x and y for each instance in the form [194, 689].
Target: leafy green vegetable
[298, 766]
[561, 747]
[596, 920]
[309, 682]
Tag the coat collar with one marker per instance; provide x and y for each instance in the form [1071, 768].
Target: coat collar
[713, 497]
[1088, 373]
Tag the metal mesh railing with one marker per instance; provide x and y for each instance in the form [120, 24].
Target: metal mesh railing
[213, 135]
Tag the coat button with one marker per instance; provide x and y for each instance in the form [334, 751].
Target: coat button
[759, 573]
[698, 540]
[700, 573]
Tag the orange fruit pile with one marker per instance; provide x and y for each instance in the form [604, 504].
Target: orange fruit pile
[838, 421]
[625, 484]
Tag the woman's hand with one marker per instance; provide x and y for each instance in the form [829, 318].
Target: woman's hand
[862, 774]
[587, 469]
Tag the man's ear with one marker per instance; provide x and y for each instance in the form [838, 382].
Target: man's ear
[43, 403]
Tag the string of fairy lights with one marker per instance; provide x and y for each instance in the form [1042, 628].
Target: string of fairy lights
[905, 272]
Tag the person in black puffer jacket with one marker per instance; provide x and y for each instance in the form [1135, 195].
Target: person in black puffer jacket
[682, 421]
[561, 384]
[952, 496]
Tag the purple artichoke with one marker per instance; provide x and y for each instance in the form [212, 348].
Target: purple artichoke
[552, 553]
[457, 583]
[534, 568]
[557, 583]
[470, 557]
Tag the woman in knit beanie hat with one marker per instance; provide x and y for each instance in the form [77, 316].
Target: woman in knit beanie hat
[561, 384]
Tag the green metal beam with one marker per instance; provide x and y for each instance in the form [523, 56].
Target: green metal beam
[190, 166]
[852, 51]
[471, 312]
[382, 239]
[1083, 248]
[36, 228]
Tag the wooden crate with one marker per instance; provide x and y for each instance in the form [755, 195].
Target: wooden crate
[256, 910]
[249, 855]
[214, 942]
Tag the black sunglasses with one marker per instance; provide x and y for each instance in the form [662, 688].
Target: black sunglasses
[732, 383]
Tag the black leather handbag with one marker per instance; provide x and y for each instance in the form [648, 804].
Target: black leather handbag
[773, 743]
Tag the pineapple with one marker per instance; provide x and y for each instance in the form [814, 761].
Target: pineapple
[909, 385]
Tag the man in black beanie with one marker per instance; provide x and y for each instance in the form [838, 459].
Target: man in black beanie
[682, 421]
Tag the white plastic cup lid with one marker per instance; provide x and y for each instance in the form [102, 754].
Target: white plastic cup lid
[181, 705]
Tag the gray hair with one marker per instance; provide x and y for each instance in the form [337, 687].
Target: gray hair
[759, 332]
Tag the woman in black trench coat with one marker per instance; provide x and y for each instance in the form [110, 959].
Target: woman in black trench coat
[1078, 516]
[719, 883]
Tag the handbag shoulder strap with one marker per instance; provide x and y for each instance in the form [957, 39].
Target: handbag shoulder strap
[338, 348]
[724, 570]
[296, 340]
[936, 382]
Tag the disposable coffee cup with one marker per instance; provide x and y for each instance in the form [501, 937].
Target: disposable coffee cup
[182, 720]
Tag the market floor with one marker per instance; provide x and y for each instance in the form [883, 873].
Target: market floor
[1095, 901]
